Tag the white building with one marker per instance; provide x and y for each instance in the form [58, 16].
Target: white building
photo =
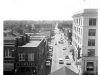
[85, 39]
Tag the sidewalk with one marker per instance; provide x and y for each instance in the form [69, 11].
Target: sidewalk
[42, 69]
[74, 66]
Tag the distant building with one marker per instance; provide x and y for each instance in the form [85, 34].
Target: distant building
[68, 33]
[85, 39]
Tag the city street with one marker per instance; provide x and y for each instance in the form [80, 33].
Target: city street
[58, 52]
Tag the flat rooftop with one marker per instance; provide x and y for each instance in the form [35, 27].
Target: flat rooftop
[32, 44]
[86, 11]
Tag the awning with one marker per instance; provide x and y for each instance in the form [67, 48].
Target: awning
[8, 66]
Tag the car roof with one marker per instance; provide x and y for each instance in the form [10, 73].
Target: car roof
[67, 57]
[47, 61]
[60, 58]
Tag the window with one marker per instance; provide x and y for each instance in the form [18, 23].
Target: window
[79, 21]
[79, 30]
[30, 56]
[92, 22]
[92, 32]
[8, 53]
[75, 29]
[91, 52]
[91, 42]
[90, 66]
[21, 56]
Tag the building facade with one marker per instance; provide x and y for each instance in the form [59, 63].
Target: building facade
[85, 39]
[29, 57]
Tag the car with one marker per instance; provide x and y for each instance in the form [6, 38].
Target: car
[61, 61]
[67, 60]
[48, 63]
[50, 50]
[49, 58]
[64, 48]
[49, 54]
[56, 43]
[51, 47]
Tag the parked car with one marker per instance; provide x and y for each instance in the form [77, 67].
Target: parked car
[49, 58]
[50, 54]
[50, 50]
[51, 47]
[61, 61]
[48, 63]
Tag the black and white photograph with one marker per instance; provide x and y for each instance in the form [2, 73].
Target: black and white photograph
[50, 37]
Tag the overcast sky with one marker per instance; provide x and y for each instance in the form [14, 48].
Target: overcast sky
[44, 9]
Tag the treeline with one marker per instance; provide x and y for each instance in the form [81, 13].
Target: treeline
[65, 24]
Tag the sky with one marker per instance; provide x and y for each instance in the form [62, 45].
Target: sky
[44, 9]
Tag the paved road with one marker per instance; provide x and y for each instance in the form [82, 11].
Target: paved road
[58, 52]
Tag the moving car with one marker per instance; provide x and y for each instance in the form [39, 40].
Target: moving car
[64, 48]
[55, 43]
[67, 60]
[61, 61]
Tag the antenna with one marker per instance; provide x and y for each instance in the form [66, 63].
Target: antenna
[89, 3]
[84, 3]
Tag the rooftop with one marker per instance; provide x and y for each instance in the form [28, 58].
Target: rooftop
[86, 11]
[9, 38]
[32, 44]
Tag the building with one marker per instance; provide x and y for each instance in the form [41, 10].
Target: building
[29, 57]
[68, 33]
[9, 51]
[85, 39]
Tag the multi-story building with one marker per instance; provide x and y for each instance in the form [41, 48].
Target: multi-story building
[85, 39]
[10, 45]
[29, 57]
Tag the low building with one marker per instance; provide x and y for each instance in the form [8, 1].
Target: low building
[9, 51]
[30, 56]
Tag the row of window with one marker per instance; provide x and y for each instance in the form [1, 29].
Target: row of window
[91, 52]
[76, 45]
[77, 38]
[78, 30]
[91, 32]
[92, 21]
[91, 42]
[21, 56]
[78, 21]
